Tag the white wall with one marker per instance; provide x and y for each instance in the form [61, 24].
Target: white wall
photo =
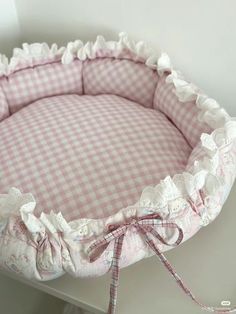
[9, 26]
[199, 35]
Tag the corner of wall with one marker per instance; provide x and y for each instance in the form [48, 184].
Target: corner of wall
[10, 31]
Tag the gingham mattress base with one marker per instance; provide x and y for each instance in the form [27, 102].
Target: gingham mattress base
[88, 156]
[107, 156]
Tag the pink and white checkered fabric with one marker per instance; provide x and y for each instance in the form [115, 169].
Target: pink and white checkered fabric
[125, 78]
[4, 109]
[88, 156]
[28, 85]
[183, 115]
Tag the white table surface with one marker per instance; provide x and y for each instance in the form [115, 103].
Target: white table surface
[206, 262]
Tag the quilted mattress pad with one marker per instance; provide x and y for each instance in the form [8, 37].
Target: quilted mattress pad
[108, 155]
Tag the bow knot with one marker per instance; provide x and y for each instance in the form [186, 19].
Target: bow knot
[145, 226]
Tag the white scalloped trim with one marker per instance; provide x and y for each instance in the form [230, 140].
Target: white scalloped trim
[170, 193]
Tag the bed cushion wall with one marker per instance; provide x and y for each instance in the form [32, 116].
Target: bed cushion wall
[125, 78]
[4, 108]
[32, 83]
[183, 113]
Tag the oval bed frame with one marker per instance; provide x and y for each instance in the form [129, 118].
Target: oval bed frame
[44, 245]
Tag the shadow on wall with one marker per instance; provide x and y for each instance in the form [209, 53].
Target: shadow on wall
[58, 36]
[61, 36]
[7, 43]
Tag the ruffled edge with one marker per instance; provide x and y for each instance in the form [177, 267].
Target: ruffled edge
[168, 196]
[36, 54]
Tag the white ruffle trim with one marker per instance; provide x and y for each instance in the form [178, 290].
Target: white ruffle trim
[35, 54]
[170, 194]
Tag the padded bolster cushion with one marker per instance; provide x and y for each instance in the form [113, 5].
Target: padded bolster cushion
[4, 109]
[124, 78]
[183, 114]
[31, 84]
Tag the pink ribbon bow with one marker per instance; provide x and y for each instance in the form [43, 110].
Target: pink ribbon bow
[146, 226]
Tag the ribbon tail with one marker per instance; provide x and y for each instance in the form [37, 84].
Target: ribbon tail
[179, 281]
[115, 267]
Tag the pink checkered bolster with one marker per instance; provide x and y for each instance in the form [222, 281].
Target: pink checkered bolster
[4, 109]
[28, 85]
[183, 115]
[125, 78]
[148, 227]
[88, 156]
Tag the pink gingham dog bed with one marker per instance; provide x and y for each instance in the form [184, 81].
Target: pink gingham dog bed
[108, 155]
